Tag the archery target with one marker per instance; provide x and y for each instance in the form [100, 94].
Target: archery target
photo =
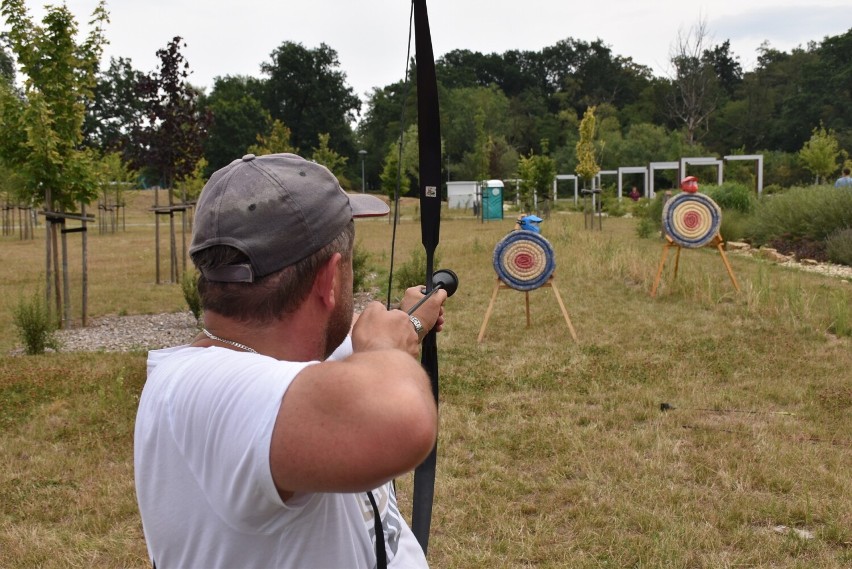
[524, 260]
[691, 219]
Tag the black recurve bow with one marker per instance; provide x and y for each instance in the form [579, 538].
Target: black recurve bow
[429, 139]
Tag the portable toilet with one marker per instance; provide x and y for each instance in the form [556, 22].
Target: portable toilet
[492, 200]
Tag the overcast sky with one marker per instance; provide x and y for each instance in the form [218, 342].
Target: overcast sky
[233, 37]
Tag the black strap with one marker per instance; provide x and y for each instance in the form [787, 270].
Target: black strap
[381, 554]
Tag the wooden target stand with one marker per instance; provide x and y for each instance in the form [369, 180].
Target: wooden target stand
[717, 242]
[501, 285]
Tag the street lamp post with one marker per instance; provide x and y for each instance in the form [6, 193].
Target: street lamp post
[362, 153]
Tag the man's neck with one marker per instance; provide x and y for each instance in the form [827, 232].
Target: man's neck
[296, 338]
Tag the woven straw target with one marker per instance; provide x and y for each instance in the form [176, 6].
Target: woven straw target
[691, 219]
[524, 260]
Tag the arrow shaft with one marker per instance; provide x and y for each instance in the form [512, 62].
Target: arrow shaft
[424, 299]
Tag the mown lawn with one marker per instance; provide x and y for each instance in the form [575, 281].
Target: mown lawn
[551, 453]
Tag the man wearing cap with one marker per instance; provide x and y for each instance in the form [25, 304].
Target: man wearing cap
[271, 440]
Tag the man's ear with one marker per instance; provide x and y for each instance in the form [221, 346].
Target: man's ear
[327, 280]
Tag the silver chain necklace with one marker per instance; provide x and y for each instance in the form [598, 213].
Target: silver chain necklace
[224, 341]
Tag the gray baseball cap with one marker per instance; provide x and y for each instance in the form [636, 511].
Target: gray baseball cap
[276, 209]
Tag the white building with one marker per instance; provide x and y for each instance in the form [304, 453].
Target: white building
[461, 195]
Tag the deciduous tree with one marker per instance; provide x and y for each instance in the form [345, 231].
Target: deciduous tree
[43, 125]
[820, 153]
[536, 172]
[114, 107]
[306, 90]
[170, 138]
[587, 161]
[238, 118]
[275, 142]
[323, 154]
[695, 93]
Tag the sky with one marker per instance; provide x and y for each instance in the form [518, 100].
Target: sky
[233, 37]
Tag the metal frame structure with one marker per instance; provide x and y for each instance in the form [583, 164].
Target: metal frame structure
[758, 167]
[703, 161]
[632, 170]
[565, 177]
[653, 167]
[680, 166]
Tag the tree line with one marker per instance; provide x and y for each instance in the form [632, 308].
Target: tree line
[498, 110]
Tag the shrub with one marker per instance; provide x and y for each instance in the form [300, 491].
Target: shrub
[734, 226]
[360, 270]
[784, 168]
[732, 196]
[650, 215]
[614, 208]
[646, 228]
[36, 324]
[839, 247]
[810, 214]
[639, 208]
[413, 272]
[189, 286]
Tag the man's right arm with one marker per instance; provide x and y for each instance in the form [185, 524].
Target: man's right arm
[352, 425]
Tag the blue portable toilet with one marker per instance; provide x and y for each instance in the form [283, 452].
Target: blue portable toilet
[492, 200]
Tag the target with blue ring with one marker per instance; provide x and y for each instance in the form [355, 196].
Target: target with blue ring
[692, 220]
[524, 260]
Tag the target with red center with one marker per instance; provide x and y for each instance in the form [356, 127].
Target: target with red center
[691, 219]
[524, 260]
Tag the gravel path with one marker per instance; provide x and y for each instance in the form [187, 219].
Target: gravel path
[130, 333]
[141, 332]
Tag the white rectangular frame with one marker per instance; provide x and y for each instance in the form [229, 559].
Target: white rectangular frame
[758, 158]
[703, 161]
[565, 177]
[652, 168]
[633, 170]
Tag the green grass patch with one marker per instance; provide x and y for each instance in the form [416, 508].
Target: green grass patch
[551, 453]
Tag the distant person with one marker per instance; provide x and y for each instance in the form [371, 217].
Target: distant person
[634, 194]
[845, 181]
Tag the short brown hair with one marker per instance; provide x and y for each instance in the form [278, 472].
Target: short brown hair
[269, 297]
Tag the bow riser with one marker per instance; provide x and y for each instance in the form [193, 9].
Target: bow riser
[429, 139]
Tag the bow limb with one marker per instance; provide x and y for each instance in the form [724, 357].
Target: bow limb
[429, 141]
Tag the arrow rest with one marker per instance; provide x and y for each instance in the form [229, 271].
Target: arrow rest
[443, 279]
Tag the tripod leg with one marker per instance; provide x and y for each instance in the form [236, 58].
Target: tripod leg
[488, 312]
[721, 249]
[564, 312]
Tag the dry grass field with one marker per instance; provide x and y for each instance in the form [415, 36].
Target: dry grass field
[551, 453]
